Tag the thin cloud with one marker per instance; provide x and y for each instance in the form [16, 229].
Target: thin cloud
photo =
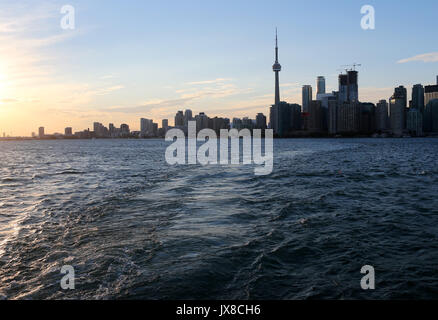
[105, 91]
[109, 76]
[425, 57]
[148, 106]
[14, 100]
[291, 84]
[8, 100]
[14, 21]
[374, 94]
[231, 110]
[218, 80]
[217, 88]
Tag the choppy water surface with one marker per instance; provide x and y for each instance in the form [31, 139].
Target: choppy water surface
[135, 228]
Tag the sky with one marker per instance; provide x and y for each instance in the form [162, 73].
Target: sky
[130, 59]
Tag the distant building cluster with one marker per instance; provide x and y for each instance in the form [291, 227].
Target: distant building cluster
[99, 131]
[339, 113]
[149, 129]
[217, 123]
[202, 121]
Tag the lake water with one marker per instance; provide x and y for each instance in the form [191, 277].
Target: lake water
[134, 227]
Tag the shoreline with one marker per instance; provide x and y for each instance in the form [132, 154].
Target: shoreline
[275, 138]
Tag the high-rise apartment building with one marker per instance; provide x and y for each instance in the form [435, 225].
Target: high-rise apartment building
[285, 117]
[430, 93]
[320, 85]
[315, 122]
[400, 93]
[401, 97]
[68, 131]
[147, 128]
[124, 130]
[348, 87]
[179, 119]
[188, 116]
[343, 88]
[40, 132]
[353, 86]
[306, 97]
[260, 121]
[382, 119]
[202, 121]
[418, 97]
[415, 122]
[397, 115]
[431, 116]
[165, 125]
[367, 122]
[348, 120]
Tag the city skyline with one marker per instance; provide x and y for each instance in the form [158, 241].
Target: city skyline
[338, 112]
[347, 94]
[335, 113]
[57, 74]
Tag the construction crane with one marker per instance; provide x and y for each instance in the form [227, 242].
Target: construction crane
[354, 65]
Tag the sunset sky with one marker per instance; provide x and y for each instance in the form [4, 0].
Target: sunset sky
[130, 59]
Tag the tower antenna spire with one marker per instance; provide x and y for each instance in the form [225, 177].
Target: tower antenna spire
[276, 68]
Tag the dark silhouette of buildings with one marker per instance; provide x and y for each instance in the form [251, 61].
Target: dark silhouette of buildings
[336, 113]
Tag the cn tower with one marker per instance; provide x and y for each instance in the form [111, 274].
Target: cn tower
[277, 68]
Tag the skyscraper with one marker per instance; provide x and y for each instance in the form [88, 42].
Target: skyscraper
[276, 68]
[430, 92]
[237, 123]
[218, 124]
[397, 115]
[431, 116]
[343, 88]
[315, 116]
[320, 85]
[201, 121]
[40, 132]
[273, 118]
[415, 122]
[306, 97]
[401, 93]
[188, 116]
[400, 98]
[382, 116]
[260, 121]
[179, 119]
[353, 87]
[418, 97]
[146, 127]
[124, 130]
[100, 131]
[348, 117]
[285, 117]
[165, 125]
[296, 119]
[112, 130]
[348, 87]
[367, 123]
[332, 114]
